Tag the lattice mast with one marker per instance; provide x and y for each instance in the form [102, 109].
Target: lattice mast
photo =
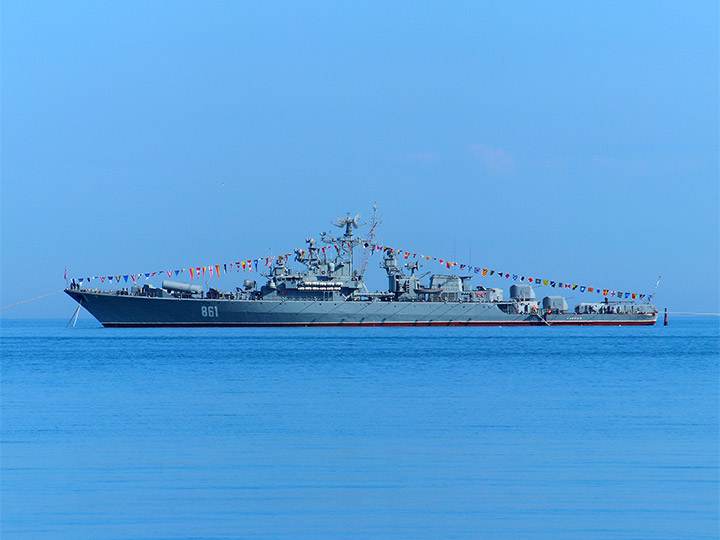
[375, 220]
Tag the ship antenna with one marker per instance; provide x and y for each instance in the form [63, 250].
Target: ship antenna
[375, 220]
[650, 298]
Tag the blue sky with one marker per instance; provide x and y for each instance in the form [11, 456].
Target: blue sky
[570, 140]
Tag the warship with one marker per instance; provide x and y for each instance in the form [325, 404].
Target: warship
[330, 291]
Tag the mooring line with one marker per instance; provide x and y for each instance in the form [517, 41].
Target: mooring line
[688, 313]
[36, 298]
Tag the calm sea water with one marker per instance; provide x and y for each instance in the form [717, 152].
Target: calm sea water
[558, 433]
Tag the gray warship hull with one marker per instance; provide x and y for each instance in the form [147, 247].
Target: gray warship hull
[117, 310]
[332, 292]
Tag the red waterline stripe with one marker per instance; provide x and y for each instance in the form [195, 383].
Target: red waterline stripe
[374, 324]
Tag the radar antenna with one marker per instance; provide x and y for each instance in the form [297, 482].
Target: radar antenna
[375, 220]
[349, 223]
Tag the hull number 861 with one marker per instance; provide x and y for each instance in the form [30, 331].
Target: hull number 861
[209, 311]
